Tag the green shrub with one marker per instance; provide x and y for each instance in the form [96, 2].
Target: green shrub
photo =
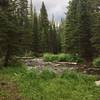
[50, 57]
[62, 57]
[77, 58]
[96, 62]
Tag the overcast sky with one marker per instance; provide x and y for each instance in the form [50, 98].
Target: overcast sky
[54, 7]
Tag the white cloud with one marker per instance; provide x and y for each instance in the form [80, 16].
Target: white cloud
[54, 7]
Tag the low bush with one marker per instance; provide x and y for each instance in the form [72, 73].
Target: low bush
[62, 57]
[65, 57]
[77, 58]
[50, 57]
[96, 62]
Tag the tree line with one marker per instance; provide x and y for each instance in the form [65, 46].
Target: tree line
[23, 30]
[81, 29]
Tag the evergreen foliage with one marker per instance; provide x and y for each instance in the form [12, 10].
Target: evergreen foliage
[44, 26]
[22, 30]
[96, 26]
[35, 34]
[81, 33]
[12, 38]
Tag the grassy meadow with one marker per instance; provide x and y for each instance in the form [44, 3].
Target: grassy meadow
[18, 83]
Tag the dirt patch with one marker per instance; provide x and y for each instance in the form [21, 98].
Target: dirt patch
[9, 91]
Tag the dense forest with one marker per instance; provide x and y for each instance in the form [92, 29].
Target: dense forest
[41, 59]
[23, 31]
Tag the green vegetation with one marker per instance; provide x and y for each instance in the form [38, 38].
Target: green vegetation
[23, 32]
[62, 57]
[50, 57]
[14, 29]
[78, 33]
[46, 85]
[96, 62]
[78, 29]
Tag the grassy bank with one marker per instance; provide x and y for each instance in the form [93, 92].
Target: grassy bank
[33, 85]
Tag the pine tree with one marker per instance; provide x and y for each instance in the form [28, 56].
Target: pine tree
[52, 37]
[35, 35]
[78, 29]
[22, 12]
[12, 36]
[61, 30]
[71, 34]
[86, 49]
[44, 26]
[24, 24]
[8, 33]
[55, 44]
[3, 19]
[96, 26]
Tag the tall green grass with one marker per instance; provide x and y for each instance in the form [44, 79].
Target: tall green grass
[46, 85]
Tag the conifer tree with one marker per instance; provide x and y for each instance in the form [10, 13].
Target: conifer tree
[71, 34]
[78, 29]
[8, 32]
[86, 49]
[24, 24]
[96, 26]
[55, 44]
[44, 26]
[12, 38]
[52, 38]
[61, 31]
[35, 34]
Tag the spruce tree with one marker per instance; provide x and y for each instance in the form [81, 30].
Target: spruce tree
[96, 26]
[61, 31]
[55, 37]
[24, 24]
[86, 49]
[12, 36]
[71, 34]
[78, 29]
[35, 34]
[52, 37]
[44, 26]
[8, 32]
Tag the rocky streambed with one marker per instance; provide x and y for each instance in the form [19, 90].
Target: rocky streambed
[59, 67]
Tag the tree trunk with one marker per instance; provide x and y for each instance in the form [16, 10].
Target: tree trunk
[7, 57]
